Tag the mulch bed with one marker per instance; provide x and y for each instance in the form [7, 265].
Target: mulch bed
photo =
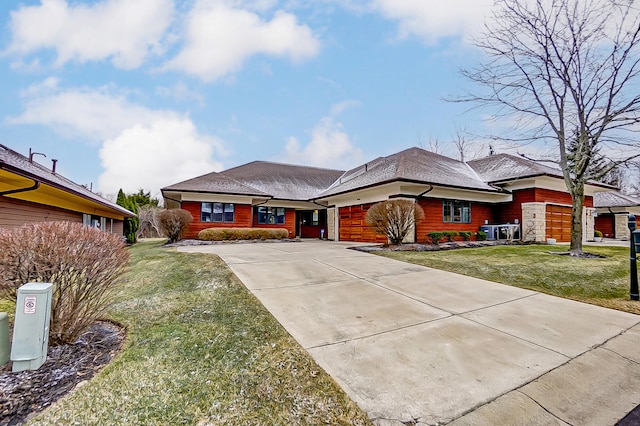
[453, 245]
[26, 393]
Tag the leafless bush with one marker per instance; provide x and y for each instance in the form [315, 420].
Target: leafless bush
[149, 222]
[173, 222]
[394, 218]
[222, 234]
[83, 263]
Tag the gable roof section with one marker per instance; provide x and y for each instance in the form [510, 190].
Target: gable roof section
[284, 181]
[411, 165]
[505, 167]
[614, 199]
[217, 183]
[19, 167]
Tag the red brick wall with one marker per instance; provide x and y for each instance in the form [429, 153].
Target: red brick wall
[242, 217]
[433, 218]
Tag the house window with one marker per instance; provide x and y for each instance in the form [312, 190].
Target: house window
[271, 215]
[217, 212]
[455, 211]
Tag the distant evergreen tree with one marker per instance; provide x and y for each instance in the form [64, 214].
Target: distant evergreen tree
[131, 224]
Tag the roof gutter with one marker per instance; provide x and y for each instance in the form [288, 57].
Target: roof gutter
[36, 185]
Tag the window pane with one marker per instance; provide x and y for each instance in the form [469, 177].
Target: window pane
[217, 212]
[280, 215]
[315, 217]
[457, 211]
[205, 212]
[228, 213]
[466, 213]
[446, 211]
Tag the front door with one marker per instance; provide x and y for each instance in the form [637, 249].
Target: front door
[311, 223]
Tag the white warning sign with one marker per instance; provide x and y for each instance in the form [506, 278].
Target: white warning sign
[29, 305]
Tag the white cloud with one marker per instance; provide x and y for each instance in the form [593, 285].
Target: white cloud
[141, 147]
[220, 37]
[432, 20]
[85, 113]
[156, 155]
[329, 147]
[124, 31]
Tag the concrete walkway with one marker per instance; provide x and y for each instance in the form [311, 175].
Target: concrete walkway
[410, 343]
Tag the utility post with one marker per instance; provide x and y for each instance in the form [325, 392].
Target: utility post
[634, 236]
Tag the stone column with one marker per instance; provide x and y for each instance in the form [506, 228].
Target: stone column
[534, 222]
[622, 226]
[331, 224]
[588, 224]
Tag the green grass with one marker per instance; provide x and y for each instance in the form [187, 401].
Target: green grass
[603, 282]
[201, 350]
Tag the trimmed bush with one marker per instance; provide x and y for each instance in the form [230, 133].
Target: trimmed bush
[435, 237]
[394, 218]
[466, 235]
[597, 233]
[481, 236]
[225, 234]
[450, 234]
[173, 222]
[84, 265]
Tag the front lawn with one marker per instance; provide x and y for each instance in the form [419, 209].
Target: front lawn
[201, 350]
[603, 282]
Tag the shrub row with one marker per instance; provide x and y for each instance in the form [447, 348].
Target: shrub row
[436, 237]
[222, 234]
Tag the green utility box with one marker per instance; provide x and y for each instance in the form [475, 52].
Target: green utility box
[5, 346]
[31, 326]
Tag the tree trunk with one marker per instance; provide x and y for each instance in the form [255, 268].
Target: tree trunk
[577, 196]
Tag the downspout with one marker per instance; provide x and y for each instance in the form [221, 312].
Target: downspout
[256, 205]
[36, 185]
[421, 195]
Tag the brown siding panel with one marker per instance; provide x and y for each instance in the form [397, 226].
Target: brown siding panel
[15, 213]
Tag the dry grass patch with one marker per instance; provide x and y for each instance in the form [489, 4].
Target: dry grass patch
[201, 350]
[603, 282]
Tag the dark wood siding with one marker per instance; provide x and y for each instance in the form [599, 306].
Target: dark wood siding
[15, 213]
[605, 224]
[433, 218]
[289, 222]
[558, 225]
[242, 219]
[353, 227]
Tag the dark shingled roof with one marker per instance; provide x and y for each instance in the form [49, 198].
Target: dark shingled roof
[502, 167]
[614, 199]
[413, 164]
[215, 182]
[284, 181]
[17, 163]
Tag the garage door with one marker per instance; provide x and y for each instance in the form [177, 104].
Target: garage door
[353, 227]
[559, 223]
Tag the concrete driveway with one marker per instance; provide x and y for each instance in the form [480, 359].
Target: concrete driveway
[415, 344]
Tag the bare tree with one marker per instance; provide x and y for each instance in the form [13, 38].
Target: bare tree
[568, 71]
[149, 221]
[466, 147]
[394, 218]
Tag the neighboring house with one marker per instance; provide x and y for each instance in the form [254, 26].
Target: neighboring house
[613, 210]
[455, 196]
[30, 192]
[257, 194]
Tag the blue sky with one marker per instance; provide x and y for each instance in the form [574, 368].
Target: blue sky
[148, 93]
